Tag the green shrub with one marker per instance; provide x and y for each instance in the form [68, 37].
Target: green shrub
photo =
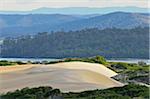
[126, 92]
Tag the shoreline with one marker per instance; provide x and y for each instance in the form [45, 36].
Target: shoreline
[126, 60]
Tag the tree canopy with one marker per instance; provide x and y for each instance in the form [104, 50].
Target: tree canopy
[110, 43]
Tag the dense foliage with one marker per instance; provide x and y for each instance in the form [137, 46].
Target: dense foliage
[33, 93]
[126, 92]
[125, 67]
[9, 63]
[6, 63]
[110, 43]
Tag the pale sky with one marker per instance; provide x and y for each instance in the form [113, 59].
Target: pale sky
[23, 5]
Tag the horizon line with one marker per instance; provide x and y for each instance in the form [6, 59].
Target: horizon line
[76, 7]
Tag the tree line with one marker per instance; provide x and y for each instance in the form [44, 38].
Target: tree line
[110, 43]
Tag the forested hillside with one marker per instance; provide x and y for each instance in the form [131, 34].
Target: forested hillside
[110, 43]
[14, 25]
[122, 20]
[18, 25]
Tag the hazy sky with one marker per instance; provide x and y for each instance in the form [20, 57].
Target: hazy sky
[33, 4]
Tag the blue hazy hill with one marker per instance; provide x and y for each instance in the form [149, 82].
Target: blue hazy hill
[79, 10]
[17, 25]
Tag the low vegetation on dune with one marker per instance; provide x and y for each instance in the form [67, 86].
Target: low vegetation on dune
[126, 92]
[6, 63]
[128, 72]
[95, 59]
[9, 63]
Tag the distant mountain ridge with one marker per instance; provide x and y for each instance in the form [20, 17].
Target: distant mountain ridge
[79, 10]
[13, 25]
[111, 20]
[16, 25]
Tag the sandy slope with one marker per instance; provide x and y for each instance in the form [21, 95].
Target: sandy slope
[6, 69]
[72, 76]
[98, 68]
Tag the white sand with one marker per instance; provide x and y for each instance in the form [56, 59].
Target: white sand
[13, 68]
[71, 76]
[98, 68]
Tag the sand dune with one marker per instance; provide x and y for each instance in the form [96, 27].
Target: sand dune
[98, 68]
[71, 76]
[6, 69]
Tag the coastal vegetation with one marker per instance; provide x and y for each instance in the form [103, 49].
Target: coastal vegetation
[6, 63]
[130, 91]
[9, 63]
[131, 72]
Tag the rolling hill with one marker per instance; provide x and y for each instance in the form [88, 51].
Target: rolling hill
[111, 20]
[13, 25]
[16, 25]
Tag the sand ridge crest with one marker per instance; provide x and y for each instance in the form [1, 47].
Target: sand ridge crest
[69, 76]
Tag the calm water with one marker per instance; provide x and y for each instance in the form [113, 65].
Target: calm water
[29, 59]
[147, 61]
[48, 59]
